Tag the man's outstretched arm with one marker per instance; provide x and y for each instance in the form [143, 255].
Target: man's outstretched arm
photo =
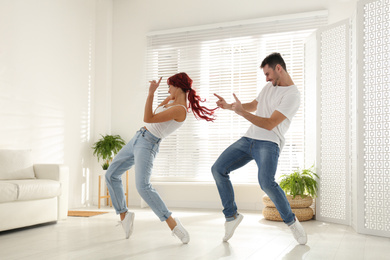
[250, 107]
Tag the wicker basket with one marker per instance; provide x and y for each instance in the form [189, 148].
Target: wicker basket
[303, 214]
[298, 202]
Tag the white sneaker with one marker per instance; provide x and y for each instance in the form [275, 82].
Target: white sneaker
[230, 226]
[298, 232]
[128, 223]
[180, 232]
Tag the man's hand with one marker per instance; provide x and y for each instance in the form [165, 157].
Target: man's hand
[222, 103]
[153, 86]
[237, 106]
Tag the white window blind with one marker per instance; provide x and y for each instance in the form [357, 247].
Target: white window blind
[225, 60]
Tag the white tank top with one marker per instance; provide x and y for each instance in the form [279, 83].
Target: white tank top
[163, 129]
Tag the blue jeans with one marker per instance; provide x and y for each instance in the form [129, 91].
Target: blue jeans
[266, 155]
[140, 151]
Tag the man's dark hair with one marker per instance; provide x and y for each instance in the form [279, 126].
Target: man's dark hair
[272, 60]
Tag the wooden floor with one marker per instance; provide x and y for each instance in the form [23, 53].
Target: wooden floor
[98, 237]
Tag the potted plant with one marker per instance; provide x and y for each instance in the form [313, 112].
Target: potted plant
[300, 187]
[107, 147]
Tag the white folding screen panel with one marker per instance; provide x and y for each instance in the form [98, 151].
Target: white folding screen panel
[333, 159]
[373, 94]
[353, 122]
[310, 100]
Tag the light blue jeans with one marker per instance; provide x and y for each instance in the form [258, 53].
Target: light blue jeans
[266, 155]
[140, 151]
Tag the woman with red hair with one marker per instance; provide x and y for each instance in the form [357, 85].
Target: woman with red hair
[143, 148]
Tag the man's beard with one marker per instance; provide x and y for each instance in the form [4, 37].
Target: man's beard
[276, 82]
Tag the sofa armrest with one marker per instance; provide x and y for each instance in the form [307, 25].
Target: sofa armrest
[59, 173]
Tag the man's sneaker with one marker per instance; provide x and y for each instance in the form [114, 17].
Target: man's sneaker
[298, 232]
[230, 226]
[180, 232]
[128, 223]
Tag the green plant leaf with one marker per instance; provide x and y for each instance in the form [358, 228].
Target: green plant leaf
[300, 182]
[107, 147]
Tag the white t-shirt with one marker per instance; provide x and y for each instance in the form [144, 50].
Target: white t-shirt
[285, 99]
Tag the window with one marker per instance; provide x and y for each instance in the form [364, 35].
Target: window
[226, 60]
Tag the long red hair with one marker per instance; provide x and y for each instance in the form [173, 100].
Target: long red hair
[183, 81]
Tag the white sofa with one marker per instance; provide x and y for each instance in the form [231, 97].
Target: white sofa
[30, 193]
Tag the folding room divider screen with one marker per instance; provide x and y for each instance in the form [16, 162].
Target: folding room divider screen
[333, 123]
[353, 116]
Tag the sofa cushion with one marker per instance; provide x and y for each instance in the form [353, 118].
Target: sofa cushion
[36, 189]
[8, 192]
[16, 165]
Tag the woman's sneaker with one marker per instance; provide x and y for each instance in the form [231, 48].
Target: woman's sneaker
[230, 227]
[298, 232]
[128, 223]
[180, 232]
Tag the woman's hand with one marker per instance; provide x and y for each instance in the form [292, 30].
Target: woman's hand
[154, 85]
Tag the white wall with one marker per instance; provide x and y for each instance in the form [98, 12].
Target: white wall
[134, 19]
[101, 123]
[46, 83]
